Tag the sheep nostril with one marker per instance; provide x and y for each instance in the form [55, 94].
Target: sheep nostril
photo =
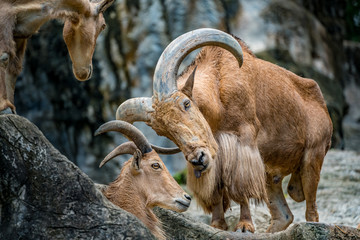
[4, 57]
[201, 158]
[195, 162]
[187, 197]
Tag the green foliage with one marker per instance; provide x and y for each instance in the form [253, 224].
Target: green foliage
[180, 177]
[352, 18]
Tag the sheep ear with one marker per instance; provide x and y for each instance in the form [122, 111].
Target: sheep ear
[188, 87]
[136, 160]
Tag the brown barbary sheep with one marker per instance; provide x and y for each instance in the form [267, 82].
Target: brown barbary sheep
[242, 123]
[20, 19]
[144, 181]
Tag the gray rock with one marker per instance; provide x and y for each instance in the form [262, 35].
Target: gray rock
[45, 196]
[178, 226]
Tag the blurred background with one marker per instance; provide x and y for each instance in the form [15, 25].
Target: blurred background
[318, 39]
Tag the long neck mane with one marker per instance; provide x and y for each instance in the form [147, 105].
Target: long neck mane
[122, 193]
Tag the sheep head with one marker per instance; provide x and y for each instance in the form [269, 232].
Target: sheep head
[80, 33]
[171, 112]
[145, 172]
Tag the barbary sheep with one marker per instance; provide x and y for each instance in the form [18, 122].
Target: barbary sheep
[144, 181]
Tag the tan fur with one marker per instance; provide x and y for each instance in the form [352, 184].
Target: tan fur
[138, 191]
[20, 19]
[259, 112]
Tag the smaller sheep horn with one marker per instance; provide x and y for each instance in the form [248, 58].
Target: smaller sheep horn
[125, 148]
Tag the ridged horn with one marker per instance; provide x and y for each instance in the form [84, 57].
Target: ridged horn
[170, 60]
[130, 131]
[135, 109]
[125, 148]
[102, 6]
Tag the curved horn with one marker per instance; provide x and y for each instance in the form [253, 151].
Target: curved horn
[135, 109]
[130, 131]
[165, 151]
[103, 5]
[125, 148]
[170, 60]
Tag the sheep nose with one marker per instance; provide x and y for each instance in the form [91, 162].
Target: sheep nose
[200, 160]
[4, 59]
[187, 197]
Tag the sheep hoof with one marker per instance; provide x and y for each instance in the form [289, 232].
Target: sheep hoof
[245, 227]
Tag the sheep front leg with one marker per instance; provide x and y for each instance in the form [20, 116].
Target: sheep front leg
[245, 224]
[218, 218]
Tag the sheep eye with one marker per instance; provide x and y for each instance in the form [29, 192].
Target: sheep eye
[155, 166]
[187, 104]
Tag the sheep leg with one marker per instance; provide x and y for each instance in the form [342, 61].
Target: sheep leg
[295, 188]
[281, 216]
[218, 218]
[310, 176]
[245, 224]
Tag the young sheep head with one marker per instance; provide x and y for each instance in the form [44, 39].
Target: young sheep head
[171, 112]
[145, 173]
[80, 33]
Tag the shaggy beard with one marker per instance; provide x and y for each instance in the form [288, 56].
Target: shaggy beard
[238, 172]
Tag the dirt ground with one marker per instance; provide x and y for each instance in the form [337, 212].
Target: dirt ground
[338, 196]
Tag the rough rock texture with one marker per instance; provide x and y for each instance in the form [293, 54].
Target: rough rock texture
[45, 196]
[179, 227]
[308, 34]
